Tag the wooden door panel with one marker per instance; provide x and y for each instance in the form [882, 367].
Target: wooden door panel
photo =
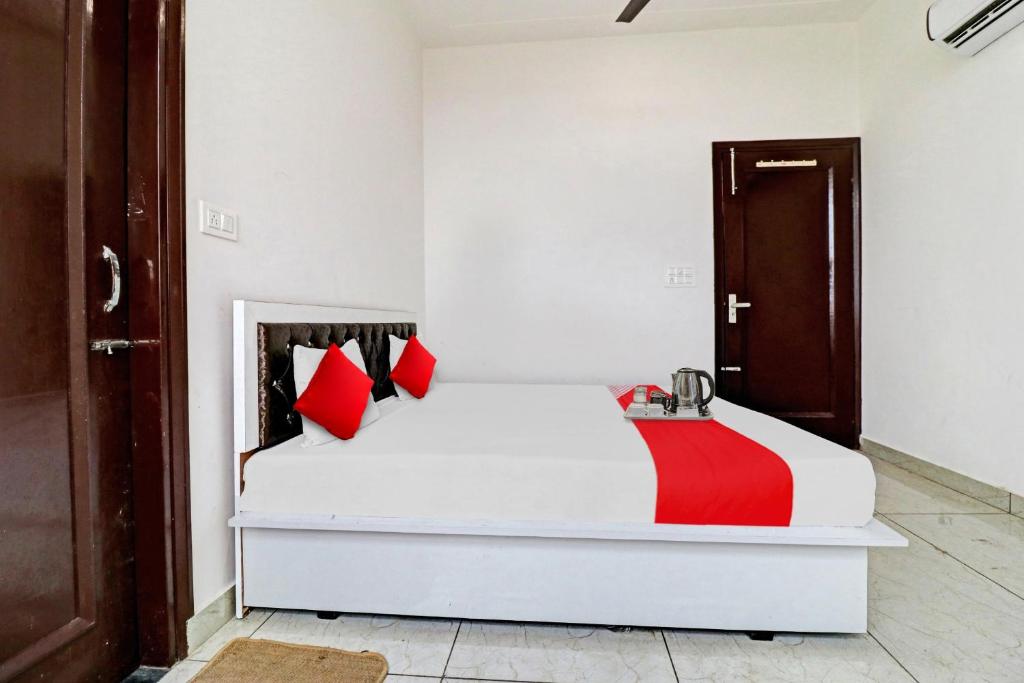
[788, 344]
[786, 241]
[66, 551]
[37, 550]
[37, 593]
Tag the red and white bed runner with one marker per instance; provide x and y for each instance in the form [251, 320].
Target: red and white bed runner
[710, 474]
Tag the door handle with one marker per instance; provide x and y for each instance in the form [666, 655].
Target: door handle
[115, 279]
[734, 305]
[732, 166]
[111, 345]
[731, 368]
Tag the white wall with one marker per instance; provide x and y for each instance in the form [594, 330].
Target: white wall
[305, 118]
[563, 177]
[943, 161]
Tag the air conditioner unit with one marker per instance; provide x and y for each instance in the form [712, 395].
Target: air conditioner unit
[969, 26]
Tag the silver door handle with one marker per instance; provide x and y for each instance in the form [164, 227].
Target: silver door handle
[115, 279]
[732, 166]
[111, 345]
[734, 305]
[731, 368]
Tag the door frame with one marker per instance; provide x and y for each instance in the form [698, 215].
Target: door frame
[720, 177]
[156, 223]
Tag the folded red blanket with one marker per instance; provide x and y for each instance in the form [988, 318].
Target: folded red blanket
[710, 474]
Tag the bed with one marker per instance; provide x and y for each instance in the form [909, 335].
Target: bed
[526, 503]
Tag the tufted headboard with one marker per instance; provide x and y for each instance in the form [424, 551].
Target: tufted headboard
[276, 381]
[265, 335]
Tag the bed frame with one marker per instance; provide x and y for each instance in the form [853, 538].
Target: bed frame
[754, 579]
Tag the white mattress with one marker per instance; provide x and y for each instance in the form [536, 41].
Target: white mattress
[527, 452]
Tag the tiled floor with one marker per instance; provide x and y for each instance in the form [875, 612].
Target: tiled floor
[948, 608]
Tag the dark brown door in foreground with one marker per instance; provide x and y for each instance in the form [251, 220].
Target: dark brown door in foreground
[787, 281]
[67, 586]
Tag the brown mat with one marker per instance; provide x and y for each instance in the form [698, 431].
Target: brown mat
[267, 661]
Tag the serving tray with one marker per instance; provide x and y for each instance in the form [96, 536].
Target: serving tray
[639, 414]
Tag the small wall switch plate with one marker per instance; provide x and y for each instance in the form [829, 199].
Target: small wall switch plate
[218, 222]
[680, 276]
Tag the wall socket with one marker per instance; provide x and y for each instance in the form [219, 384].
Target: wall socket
[217, 221]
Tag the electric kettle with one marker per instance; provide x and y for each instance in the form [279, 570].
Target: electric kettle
[688, 390]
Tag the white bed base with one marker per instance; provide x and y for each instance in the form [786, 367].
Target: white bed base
[796, 579]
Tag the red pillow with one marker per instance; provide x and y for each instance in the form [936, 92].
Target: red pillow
[337, 394]
[414, 369]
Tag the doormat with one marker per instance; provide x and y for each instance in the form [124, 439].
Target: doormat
[268, 661]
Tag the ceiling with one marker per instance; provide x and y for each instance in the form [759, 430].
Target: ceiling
[444, 23]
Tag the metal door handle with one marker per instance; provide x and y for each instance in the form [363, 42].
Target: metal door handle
[731, 368]
[732, 166]
[111, 345]
[115, 279]
[733, 305]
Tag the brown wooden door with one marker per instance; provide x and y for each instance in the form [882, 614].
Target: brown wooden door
[787, 243]
[67, 585]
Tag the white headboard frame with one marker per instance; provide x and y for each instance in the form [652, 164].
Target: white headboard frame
[247, 314]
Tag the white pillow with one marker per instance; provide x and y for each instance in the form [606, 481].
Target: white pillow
[305, 361]
[397, 347]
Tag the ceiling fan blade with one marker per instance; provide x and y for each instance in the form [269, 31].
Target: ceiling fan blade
[632, 9]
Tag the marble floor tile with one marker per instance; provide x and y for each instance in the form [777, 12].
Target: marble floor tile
[1000, 501]
[559, 654]
[990, 544]
[709, 656]
[236, 628]
[901, 491]
[411, 646]
[183, 671]
[399, 678]
[942, 621]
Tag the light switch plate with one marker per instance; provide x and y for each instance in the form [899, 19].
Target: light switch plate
[680, 276]
[217, 221]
